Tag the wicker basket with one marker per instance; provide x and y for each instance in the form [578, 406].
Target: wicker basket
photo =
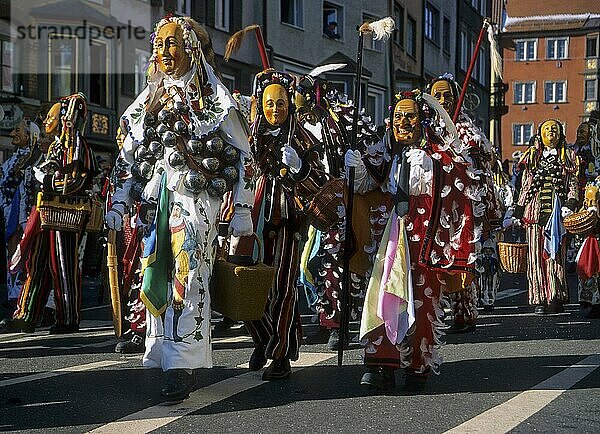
[581, 223]
[323, 210]
[63, 213]
[96, 221]
[240, 291]
[513, 257]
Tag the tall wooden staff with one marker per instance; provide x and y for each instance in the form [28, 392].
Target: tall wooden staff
[113, 280]
[381, 30]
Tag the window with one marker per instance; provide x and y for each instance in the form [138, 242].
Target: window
[591, 90]
[555, 91]
[399, 19]
[556, 48]
[7, 58]
[222, 14]
[526, 49]
[524, 92]
[464, 51]
[432, 23]
[374, 105]
[479, 6]
[480, 67]
[446, 35]
[522, 133]
[292, 12]
[591, 46]
[141, 63]
[411, 36]
[62, 55]
[371, 43]
[228, 81]
[99, 85]
[184, 7]
[333, 17]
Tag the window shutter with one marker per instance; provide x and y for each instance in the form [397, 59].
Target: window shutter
[236, 16]
[199, 11]
[210, 13]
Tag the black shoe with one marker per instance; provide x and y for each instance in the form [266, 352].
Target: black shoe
[177, 385]
[9, 325]
[62, 329]
[488, 308]
[131, 346]
[225, 324]
[47, 318]
[258, 359]
[333, 344]
[555, 306]
[279, 369]
[459, 327]
[415, 383]
[540, 309]
[379, 377]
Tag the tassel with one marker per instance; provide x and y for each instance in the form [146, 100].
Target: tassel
[495, 56]
[382, 29]
[235, 42]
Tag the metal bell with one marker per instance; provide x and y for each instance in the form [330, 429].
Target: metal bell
[149, 120]
[211, 164]
[231, 154]
[169, 139]
[180, 108]
[180, 127]
[194, 146]
[215, 145]
[141, 153]
[146, 170]
[156, 148]
[161, 129]
[217, 187]
[195, 182]
[176, 160]
[149, 133]
[165, 117]
[230, 174]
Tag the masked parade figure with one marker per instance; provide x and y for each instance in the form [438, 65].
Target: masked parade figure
[549, 192]
[429, 234]
[185, 147]
[289, 175]
[18, 193]
[49, 249]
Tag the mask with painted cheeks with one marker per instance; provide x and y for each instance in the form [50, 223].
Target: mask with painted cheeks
[442, 91]
[406, 122]
[275, 104]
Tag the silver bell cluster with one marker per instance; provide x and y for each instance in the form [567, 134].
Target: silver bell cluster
[209, 163]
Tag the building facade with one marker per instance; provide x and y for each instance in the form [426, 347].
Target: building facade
[407, 47]
[550, 67]
[439, 30]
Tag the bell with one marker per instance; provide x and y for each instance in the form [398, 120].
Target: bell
[230, 174]
[161, 129]
[149, 120]
[176, 160]
[156, 148]
[191, 129]
[141, 153]
[215, 145]
[194, 146]
[149, 133]
[231, 154]
[146, 170]
[217, 187]
[180, 127]
[194, 181]
[165, 117]
[211, 164]
[180, 108]
[169, 139]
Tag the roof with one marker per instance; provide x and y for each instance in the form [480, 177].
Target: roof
[72, 10]
[350, 68]
[549, 22]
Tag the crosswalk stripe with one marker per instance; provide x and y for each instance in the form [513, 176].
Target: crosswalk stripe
[510, 414]
[158, 416]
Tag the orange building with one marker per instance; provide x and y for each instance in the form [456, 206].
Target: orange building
[550, 66]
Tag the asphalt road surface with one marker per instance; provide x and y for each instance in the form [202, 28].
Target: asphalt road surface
[516, 372]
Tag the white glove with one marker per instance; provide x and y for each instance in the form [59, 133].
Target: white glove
[415, 157]
[291, 159]
[241, 223]
[511, 221]
[353, 158]
[114, 217]
[564, 211]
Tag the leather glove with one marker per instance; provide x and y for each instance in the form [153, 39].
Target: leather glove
[291, 159]
[114, 217]
[241, 223]
[353, 158]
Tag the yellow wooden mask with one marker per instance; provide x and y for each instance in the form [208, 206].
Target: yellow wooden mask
[406, 122]
[275, 104]
[170, 50]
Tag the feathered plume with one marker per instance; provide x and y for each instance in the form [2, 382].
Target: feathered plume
[235, 42]
[495, 57]
[326, 68]
[450, 126]
[382, 29]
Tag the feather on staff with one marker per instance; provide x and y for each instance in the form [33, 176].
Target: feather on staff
[235, 42]
[495, 56]
[382, 29]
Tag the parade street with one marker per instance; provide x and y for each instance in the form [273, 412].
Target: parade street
[517, 372]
